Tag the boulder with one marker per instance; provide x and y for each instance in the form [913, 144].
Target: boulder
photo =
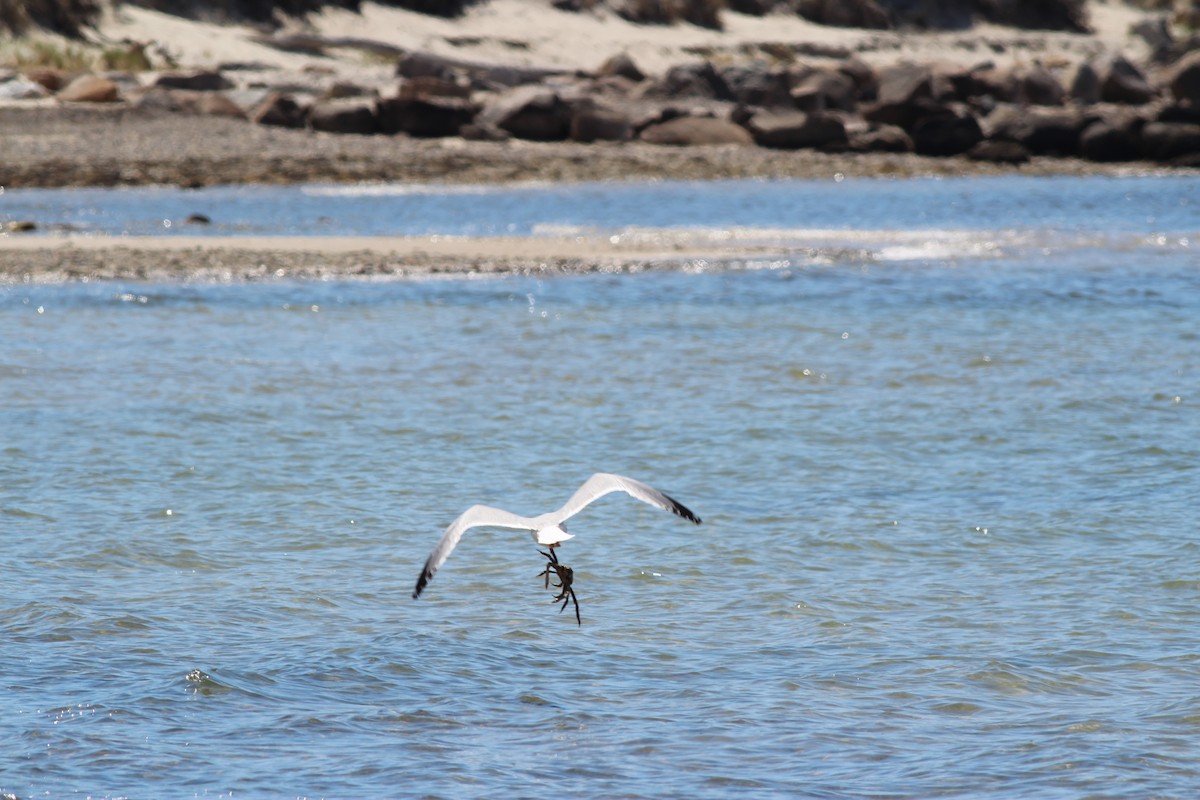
[280, 110]
[792, 130]
[90, 89]
[1039, 87]
[196, 80]
[592, 122]
[1086, 87]
[866, 82]
[623, 65]
[1041, 130]
[691, 81]
[1170, 141]
[51, 78]
[424, 116]
[1179, 112]
[1112, 139]
[1184, 79]
[902, 88]
[351, 115]
[426, 87]
[528, 112]
[1122, 82]
[988, 81]
[22, 88]
[945, 130]
[821, 89]
[186, 101]
[845, 13]
[756, 87]
[689, 130]
[882, 139]
[999, 152]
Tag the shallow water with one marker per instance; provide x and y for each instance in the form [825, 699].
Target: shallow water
[948, 545]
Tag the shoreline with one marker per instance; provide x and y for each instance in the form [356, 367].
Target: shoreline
[72, 146]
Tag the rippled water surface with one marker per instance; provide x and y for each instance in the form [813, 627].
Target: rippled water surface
[949, 544]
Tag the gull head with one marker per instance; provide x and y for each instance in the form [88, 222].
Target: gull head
[552, 534]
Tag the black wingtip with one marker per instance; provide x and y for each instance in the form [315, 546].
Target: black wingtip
[421, 581]
[683, 511]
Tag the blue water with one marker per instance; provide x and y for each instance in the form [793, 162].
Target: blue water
[949, 544]
[1110, 205]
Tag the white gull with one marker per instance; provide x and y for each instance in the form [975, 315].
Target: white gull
[546, 529]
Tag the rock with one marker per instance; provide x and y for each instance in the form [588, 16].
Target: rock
[185, 101]
[425, 116]
[280, 110]
[689, 130]
[821, 89]
[845, 13]
[1086, 87]
[340, 90]
[22, 88]
[197, 81]
[792, 130]
[475, 132]
[690, 80]
[352, 115]
[1184, 79]
[1170, 141]
[49, 77]
[427, 87]
[882, 139]
[999, 152]
[945, 130]
[1039, 87]
[902, 87]
[756, 87]
[1179, 112]
[1110, 140]
[529, 112]
[1124, 83]
[90, 89]
[591, 122]
[484, 76]
[1041, 130]
[866, 82]
[989, 82]
[623, 65]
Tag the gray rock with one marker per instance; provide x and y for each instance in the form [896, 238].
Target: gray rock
[90, 89]
[792, 130]
[425, 116]
[1184, 79]
[528, 112]
[689, 130]
[280, 110]
[1170, 141]
[197, 81]
[352, 115]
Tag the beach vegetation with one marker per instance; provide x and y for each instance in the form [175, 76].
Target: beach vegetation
[49, 54]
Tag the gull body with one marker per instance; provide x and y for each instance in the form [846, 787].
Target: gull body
[546, 529]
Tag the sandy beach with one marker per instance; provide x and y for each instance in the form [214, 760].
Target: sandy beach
[52, 144]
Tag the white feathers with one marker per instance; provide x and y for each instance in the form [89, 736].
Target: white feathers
[546, 529]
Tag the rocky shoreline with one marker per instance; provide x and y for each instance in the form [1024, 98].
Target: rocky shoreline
[772, 113]
[1063, 106]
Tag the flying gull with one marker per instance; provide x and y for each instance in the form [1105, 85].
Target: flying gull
[548, 529]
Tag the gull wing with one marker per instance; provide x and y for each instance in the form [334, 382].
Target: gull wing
[603, 483]
[473, 517]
